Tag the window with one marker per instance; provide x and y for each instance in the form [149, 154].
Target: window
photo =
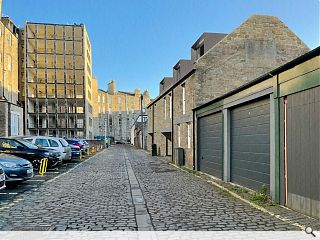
[10, 40]
[99, 110]
[42, 142]
[165, 109]
[9, 63]
[104, 109]
[120, 122]
[53, 143]
[119, 100]
[102, 99]
[98, 98]
[80, 123]
[183, 99]
[189, 137]
[201, 50]
[15, 122]
[179, 142]
[170, 106]
[90, 122]
[9, 143]
[64, 143]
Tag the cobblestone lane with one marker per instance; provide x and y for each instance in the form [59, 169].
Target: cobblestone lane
[125, 189]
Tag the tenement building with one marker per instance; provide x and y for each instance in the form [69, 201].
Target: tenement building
[116, 112]
[11, 111]
[56, 81]
[219, 63]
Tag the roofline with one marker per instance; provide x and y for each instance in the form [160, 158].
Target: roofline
[202, 37]
[165, 78]
[172, 87]
[99, 89]
[187, 60]
[55, 24]
[305, 57]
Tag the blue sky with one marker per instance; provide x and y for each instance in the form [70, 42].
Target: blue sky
[137, 42]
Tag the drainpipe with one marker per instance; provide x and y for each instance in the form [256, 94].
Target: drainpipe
[172, 127]
[4, 36]
[193, 141]
[153, 124]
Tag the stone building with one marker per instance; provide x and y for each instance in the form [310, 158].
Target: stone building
[56, 80]
[11, 111]
[116, 112]
[258, 45]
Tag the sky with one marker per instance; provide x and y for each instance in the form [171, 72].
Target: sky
[137, 42]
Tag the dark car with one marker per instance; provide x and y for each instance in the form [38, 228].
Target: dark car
[75, 152]
[24, 149]
[81, 143]
[2, 179]
[16, 169]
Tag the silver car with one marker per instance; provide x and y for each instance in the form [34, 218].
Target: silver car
[57, 144]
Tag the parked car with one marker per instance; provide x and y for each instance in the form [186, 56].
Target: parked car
[58, 144]
[84, 146]
[75, 152]
[29, 151]
[16, 169]
[2, 179]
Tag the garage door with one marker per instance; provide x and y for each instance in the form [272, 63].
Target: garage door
[303, 131]
[250, 144]
[210, 144]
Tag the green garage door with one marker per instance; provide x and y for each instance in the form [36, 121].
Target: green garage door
[210, 144]
[250, 144]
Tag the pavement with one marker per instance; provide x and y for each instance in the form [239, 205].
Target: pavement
[123, 188]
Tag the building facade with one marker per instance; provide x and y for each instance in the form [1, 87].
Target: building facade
[116, 112]
[258, 45]
[266, 133]
[56, 83]
[11, 111]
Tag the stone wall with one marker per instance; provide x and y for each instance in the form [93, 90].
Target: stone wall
[4, 119]
[184, 119]
[162, 126]
[259, 45]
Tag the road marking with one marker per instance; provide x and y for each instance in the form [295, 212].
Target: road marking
[9, 193]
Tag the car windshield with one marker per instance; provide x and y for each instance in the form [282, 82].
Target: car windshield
[28, 144]
[64, 142]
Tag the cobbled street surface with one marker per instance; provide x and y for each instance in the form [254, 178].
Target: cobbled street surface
[123, 188]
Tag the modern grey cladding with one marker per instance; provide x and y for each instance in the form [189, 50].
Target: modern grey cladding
[204, 43]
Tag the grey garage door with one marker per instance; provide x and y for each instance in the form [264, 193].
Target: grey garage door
[210, 144]
[303, 131]
[250, 144]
